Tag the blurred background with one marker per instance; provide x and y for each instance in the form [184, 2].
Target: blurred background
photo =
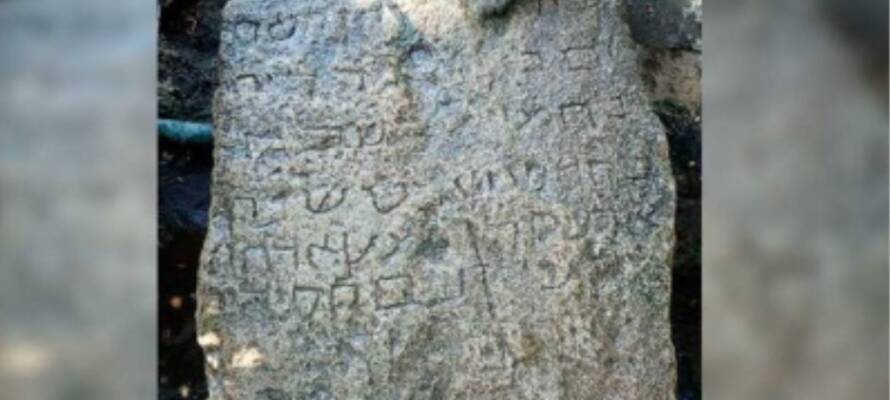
[795, 216]
[77, 199]
[100, 218]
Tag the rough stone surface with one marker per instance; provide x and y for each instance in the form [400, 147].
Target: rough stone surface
[428, 200]
[666, 24]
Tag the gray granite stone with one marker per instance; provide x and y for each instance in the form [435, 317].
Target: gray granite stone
[435, 200]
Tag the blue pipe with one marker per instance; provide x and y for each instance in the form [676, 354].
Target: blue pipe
[185, 131]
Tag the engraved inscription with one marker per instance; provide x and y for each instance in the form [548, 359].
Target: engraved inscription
[282, 28]
[324, 200]
[394, 291]
[344, 298]
[306, 301]
[247, 30]
[424, 203]
[255, 270]
[387, 196]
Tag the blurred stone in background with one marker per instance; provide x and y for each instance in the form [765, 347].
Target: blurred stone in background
[795, 283]
[77, 199]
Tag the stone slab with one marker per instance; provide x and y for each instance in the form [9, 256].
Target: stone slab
[435, 200]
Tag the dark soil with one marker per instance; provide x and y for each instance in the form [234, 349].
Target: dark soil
[183, 201]
[684, 136]
[187, 45]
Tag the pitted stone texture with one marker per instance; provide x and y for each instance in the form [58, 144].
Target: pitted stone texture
[413, 202]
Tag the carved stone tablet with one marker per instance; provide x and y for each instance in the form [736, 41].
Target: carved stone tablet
[435, 199]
